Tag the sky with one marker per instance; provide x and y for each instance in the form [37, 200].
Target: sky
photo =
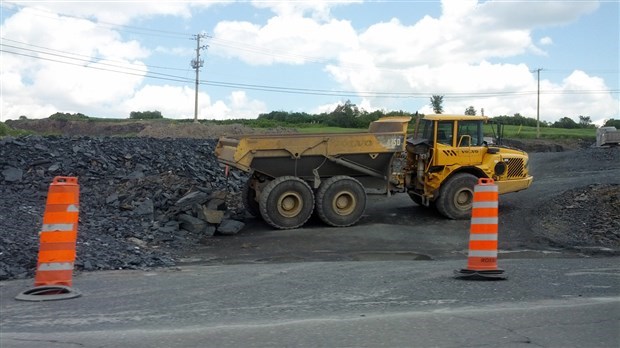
[109, 58]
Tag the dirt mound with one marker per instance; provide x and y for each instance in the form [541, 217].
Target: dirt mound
[152, 129]
[203, 131]
[141, 199]
[544, 145]
[584, 217]
[89, 128]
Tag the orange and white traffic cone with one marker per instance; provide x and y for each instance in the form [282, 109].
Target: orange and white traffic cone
[57, 239]
[482, 258]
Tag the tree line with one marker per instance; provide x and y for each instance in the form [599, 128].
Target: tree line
[349, 115]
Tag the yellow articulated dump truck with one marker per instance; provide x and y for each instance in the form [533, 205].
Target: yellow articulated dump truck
[293, 175]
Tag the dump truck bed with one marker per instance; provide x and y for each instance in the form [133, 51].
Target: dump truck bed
[312, 156]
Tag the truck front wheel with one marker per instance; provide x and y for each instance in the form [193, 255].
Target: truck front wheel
[286, 202]
[340, 201]
[456, 196]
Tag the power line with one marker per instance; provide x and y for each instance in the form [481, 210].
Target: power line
[125, 66]
[120, 27]
[241, 46]
[281, 89]
[178, 79]
[82, 55]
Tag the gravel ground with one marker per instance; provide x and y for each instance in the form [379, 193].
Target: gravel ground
[129, 194]
[586, 216]
[131, 189]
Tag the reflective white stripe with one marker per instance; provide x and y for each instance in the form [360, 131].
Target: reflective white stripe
[57, 227]
[482, 253]
[483, 236]
[56, 266]
[488, 204]
[73, 208]
[485, 188]
[483, 221]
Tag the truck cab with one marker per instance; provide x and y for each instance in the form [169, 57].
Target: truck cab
[447, 156]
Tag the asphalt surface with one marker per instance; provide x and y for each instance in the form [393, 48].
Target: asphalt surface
[385, 282]
[543, 303]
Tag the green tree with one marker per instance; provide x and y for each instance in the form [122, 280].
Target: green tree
[68, 117]
[470, 111]
[344, 116]
[612, 123]
[585, 121]
[565, 122]
[436, 103]
[518, 120]
[145, 115]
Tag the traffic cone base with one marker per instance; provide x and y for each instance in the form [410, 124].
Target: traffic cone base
[48, 293]
[468, 274]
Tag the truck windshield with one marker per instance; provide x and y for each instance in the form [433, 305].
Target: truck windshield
[426, 128]
[472, 130]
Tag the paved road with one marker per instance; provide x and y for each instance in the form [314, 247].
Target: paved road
[544, 303]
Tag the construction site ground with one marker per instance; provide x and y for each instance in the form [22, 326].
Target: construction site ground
[571, 209]
[387, 281]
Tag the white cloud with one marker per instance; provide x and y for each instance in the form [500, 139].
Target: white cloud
[178, 103]
[327, 107]
[42, 71]
[173, 101]
[545, 41]
[243, 107]
[450, 54]
[115, 12]
[456, 52]
[526, 15]
[284, 39]
[317, 9]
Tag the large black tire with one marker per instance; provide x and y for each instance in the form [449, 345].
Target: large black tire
[248, 196]
[286, 202]
[456, 196]
[340, 201]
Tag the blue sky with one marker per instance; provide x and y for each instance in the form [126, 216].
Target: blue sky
[108, 58]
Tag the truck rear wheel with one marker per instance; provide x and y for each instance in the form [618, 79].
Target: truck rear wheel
[456, 196]
[286, 202]
[340, 201]
[248, 196]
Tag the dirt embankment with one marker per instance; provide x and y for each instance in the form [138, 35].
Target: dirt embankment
[151, 129]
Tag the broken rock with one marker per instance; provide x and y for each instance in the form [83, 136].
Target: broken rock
[230, 227]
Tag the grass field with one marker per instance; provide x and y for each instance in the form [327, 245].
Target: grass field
[523, 132]
[510, 131]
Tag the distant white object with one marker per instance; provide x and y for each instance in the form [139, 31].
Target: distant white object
[489, 140]
[607, 136]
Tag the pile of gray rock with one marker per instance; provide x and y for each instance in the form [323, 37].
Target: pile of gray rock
[143, 201]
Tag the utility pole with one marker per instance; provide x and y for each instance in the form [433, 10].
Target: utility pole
[538, 104]
[196, 65]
